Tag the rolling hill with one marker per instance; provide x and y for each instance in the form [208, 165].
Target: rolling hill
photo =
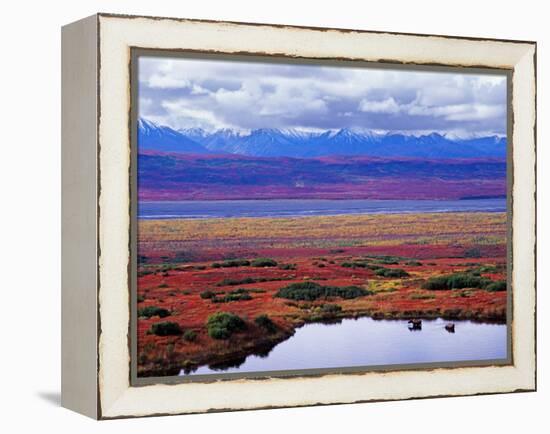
[164, 176]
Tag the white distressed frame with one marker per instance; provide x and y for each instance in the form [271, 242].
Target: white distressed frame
[115, 396]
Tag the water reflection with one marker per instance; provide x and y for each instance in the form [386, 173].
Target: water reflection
[365, 341]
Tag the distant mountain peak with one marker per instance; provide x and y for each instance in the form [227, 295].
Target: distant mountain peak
[228, 132]
[345, 132]
[290, 142]
[195, 131]
[146, 124]
[165, 139]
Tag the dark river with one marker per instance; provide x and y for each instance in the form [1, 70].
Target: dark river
[194, 209]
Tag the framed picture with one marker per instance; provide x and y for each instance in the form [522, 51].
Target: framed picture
[262, 216]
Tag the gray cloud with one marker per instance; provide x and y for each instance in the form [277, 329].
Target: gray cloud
[185, 93]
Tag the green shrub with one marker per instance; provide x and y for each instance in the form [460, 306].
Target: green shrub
[207, 294]
[386, 261]
[150, 311]
[361, 264]
[301, 291]
[266, 323]
[247, 280]
[460, 280]
[391, 272]
[190, 335]
[235, 295]
[222, 325]
[287, 266]
[166, 329]
[331, 308]
[346, 292]
[499, 285]
[236, 263]
[232, 282]
[263, 262]
[218, 333]
[413, 263]
[355, 264]
[485, 269]
[456, 281]
[436, 283]
[312, 291]
[231, 263]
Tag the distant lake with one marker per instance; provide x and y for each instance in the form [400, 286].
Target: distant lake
[189, 209]
[369, 342]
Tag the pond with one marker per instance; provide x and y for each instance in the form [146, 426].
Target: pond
[368, 342]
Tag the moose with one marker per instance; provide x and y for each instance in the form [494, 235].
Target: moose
[415, 324]
[450, 327]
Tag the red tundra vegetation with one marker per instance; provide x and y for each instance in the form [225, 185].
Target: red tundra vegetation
[212, 292]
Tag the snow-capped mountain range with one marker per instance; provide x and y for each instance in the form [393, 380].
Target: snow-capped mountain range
[269, 142]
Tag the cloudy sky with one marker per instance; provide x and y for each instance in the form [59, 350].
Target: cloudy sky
[211, 94]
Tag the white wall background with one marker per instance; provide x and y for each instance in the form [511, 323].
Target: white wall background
[30, 216]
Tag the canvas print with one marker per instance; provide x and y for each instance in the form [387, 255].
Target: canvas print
[295, 217]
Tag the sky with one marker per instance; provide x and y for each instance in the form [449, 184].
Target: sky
[214, 94]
